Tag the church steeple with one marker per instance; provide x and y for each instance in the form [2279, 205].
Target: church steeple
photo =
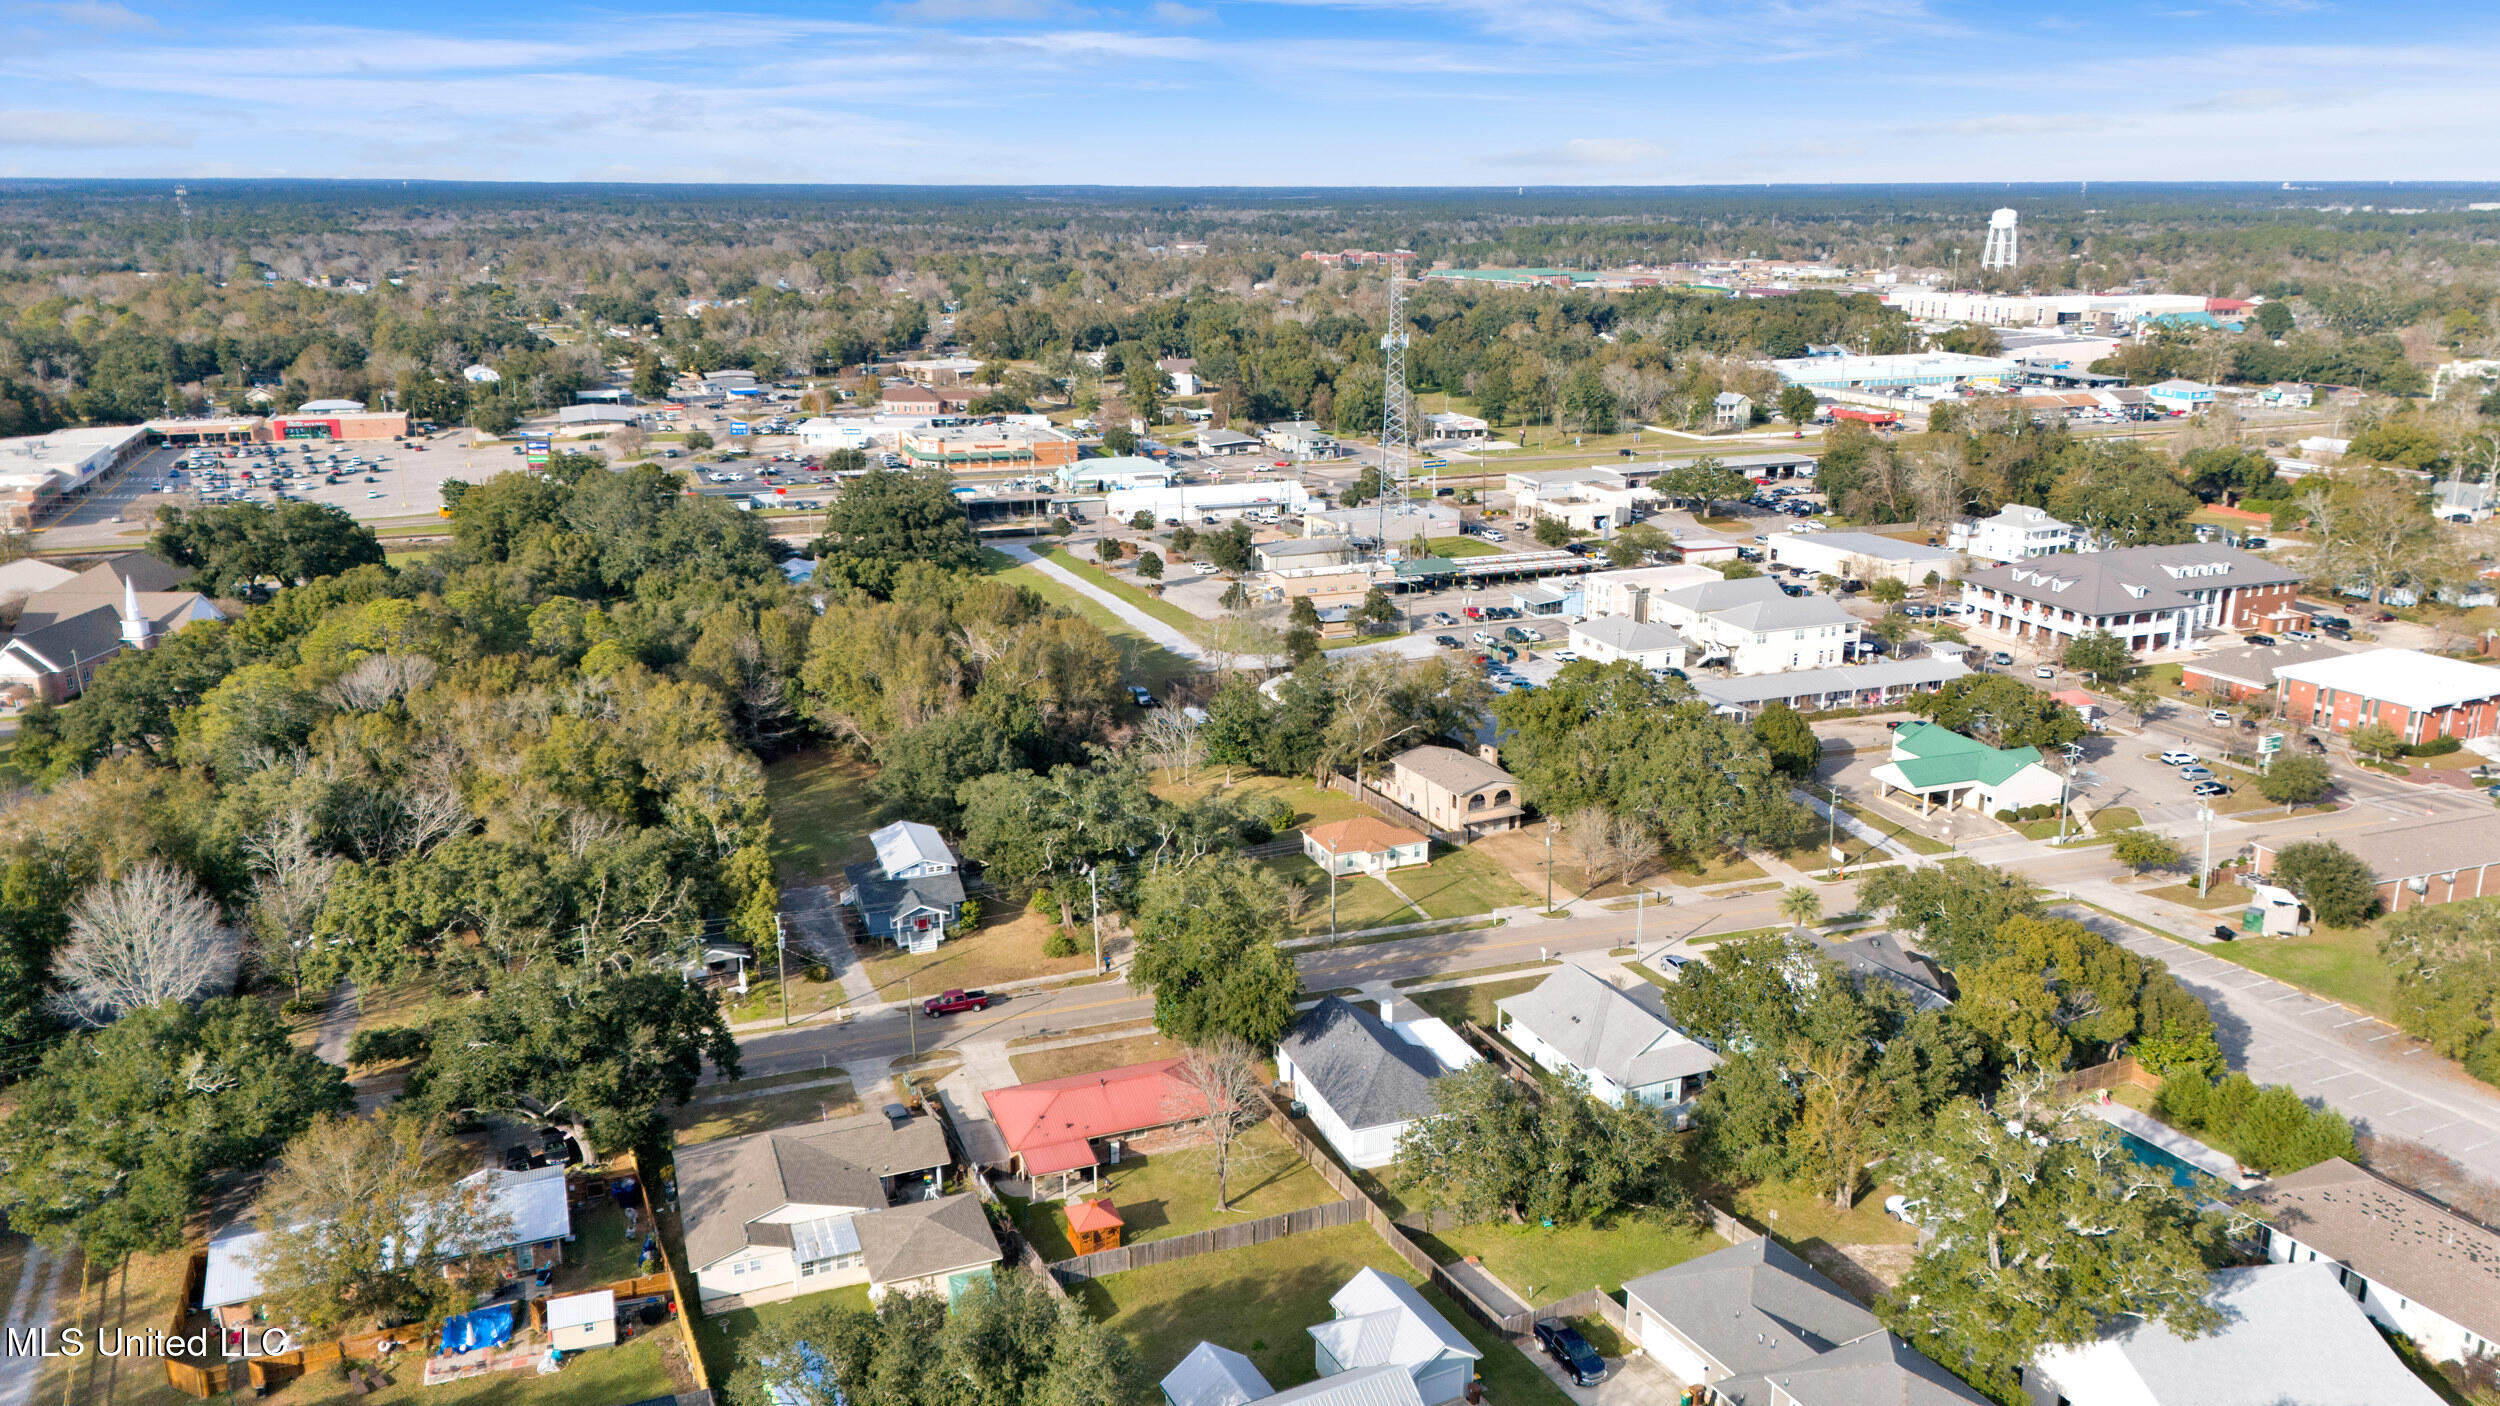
[137, 631]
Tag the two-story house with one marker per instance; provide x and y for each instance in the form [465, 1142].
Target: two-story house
[2018, 532]
[1757, 627]
[2415, 1267]
[1620, 1041]
[1455, 791]
[911, 893]
[1382, 1322]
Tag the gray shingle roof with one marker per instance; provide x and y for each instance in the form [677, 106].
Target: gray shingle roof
[1629, 635]
[881, 900]
[1595, 1025]
[723, 1185]
[1452, 769]
[1805, 683]
[2409, 851]
[1876, 1370]
[2097, 583]
[1359, 1067]
[1753, 1307]
[2394, 1238]
[2254, 664]
[926, 1237]
[1880, 955]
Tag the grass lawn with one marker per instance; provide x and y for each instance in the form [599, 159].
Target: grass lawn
[1033, 1066]
[1173, 1193]
[2109, 820]
[2219, 896]
[2341, 964]
[1806, 1214]
[1542, 1264]
[1459, 1003]
[601, 1252]
[822, 812]
[721, 1333]
[2047, 829]
[1457, 547]
[1460, 883]
[1142, 661]
[735, 1117]
[1003, 948]
[1360, 902]
[1162, 610]
[1312, 805]
[1894, 829]
[1724, 868]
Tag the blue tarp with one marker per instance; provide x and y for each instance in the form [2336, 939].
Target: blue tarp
[486, 1327]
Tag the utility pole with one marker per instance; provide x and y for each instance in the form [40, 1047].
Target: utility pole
[781, 955]
[1332, 895]
[911, 1022]
[2205, 870]
[1093, 891]
[1549, 864]
[1640, 901]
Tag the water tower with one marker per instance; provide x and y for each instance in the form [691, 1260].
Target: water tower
[2002, 234]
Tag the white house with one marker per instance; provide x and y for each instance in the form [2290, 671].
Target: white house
[1363, 844]
[1304, 438]
[2180, 397]
[1620, 1041]
[2414, 1267]
[1757, 627]
[1450, 425]
[2290, 1336]
[1862, 556]
[794, 1210]
[1382, 1322]
[1730, 411]
[911, 892]
[1363, 1077]
[2018, 532]
[1607, 638]
[1943, 768]
[1182, 372]
[1628, 592]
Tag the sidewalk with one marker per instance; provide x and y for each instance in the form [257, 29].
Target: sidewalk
[1153, 629]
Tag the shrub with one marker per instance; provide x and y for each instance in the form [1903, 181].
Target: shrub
[968, 915]
[2271, 1128]
[2007, 817]
[1060, 943]
[386, 1044]
[2436, 747]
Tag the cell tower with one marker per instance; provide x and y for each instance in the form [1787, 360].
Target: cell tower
[183, 205]
[2003, 236]
[1397, 426]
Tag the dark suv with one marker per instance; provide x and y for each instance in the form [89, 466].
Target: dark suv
[1563, 1343]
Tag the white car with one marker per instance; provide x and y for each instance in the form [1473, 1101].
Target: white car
[1203, 568]
[2044, 672]
[2218, 717]
[2179, 756]
[1566, 656]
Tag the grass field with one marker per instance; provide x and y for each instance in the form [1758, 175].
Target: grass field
[1806, 1214]
[1456, 548]
[1311, 804]
[1894, 829]
[1542, 1264]
[1162, 610]
[2341, 964]
[1142, 661]
[2217, 897]
[1462, 1003]
[822, 811]
[1033, 1066]
[1173, 1193]
[1004, 948]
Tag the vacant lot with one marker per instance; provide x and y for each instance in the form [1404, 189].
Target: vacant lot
[822, 811]
[1463, 1003]
[1033, 1066]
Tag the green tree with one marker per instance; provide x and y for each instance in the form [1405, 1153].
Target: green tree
[1788, 739]
[1150, 564]
[1005, 1341]
[1797, 404]
[1491, 1147]
[1228, 547]
[494, 414]
[2056, 994]
[892, 517]
[1801, 905]
[1888, 590]
[600, 1054]
[2445, 959]
[2142, 849]
[2340, 890]
[1207, 937]
[2100, 656]
[231, 546]
[2295, 779]
[1107, 548]
[2044, 1231]
[2274, 318]
[1552, 532]
[698, 440]
[2377, 740]
[2010, 712]
[1706, 482]
[1956, 908]
[1141, 521]
[116, 1136]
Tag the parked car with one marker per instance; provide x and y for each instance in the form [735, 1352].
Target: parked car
[950, 1002]
[2196, 773]
[1203, 568]
[2179, 756]
[2001, 659]
[2256, 639]
[1566, 656]
[1141, 697]
[2044, 671]
[2302, 636]
[2218, 717]
[1563, 1343]
[1446, 641]
[2209, 788]
[1482, 637]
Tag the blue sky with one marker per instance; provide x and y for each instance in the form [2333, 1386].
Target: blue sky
[1262, 92]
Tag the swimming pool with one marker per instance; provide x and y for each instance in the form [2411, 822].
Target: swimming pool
[2182, 1175]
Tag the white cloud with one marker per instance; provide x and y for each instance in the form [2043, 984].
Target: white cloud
[1587, 153]
[1174, 13]
[92, 14]
[84, 131]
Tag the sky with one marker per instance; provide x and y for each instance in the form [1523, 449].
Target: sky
[1256, 92]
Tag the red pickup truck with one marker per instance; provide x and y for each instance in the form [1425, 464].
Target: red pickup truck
[950, 1002]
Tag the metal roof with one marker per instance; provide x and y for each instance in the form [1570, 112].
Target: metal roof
[1381, 1320]
[2417, 680]
[1215, 1376]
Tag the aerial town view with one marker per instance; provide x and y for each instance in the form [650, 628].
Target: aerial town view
[1293, 703]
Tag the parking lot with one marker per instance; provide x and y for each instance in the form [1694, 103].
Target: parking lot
[404, 482]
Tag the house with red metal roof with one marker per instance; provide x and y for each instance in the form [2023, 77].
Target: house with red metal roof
[1060, 1126]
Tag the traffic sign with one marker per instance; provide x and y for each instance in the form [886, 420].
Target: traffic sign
[1436, 463]
[2271, 742]
[740, 427]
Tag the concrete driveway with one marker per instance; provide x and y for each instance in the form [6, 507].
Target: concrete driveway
[1637, 1380]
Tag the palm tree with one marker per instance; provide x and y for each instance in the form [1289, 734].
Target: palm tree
[1800, 905]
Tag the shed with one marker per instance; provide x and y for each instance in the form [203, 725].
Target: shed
[1094, 1225]
[577, 1321]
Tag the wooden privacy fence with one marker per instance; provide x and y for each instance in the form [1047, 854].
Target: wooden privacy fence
[1390, 810]
[2116, 1073]
[1206, 1242]
[1596, 1301]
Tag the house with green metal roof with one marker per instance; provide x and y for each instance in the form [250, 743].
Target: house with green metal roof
[1941, 767]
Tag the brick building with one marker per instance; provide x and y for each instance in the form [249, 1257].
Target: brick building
[2154, 598]
[2437, 861]
[2250, 670]
[2420, 696]
[925, 400]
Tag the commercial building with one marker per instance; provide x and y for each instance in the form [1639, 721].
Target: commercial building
[211, 429]
[1881, 684]
[1863, 556]
[1255, 496]
[2018, 532]
[1303, 438]
[592, 416]
[38, 471]
[1220, 444]
[940, 371]
[1901, 372]
[923, 400]
[2180, 397]
[1926, 304]
[1945, 769]
[2418, 696]
[1450, 426]
[1365, 1078]
[2250, 669]
[2415, 1267]
[1395, 525]
[356, 424]
[1628, 592]
[1609, 638]
[2434, 861]
[822, 433]
[1757, 627]
[1116, 471]
[1585, 500]
[986, 447]
[2154, 598]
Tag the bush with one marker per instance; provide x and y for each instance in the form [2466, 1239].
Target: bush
[1060, 943]
[2269, 1129]
[968, 915]
[386, 1044]
[2436, 747]
[2007, 817]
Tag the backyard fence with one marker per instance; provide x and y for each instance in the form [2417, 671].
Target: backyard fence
[1205, 1242]
[1503, 1055]
[2116, 1073]
[1596, 1301]
[1730, 1229]
[1396, 814]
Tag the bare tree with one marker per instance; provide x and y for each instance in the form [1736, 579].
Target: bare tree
[145, 938]
[1610, 846]
[291, 878]
[430, 801]
[1170, 739]
[377, 679]
[1226, 1074]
